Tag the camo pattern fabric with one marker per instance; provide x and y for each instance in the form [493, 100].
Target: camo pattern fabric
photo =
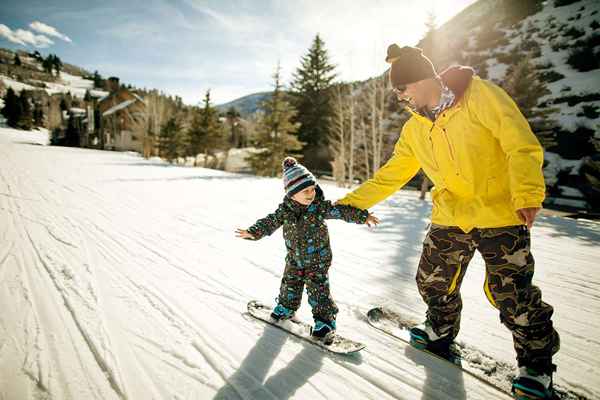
[308, 250]
[508, 286]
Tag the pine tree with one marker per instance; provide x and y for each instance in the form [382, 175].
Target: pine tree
[72, 134]
[38, 115]
[88, 96]
[170, 139]
[195, 135]
[64, 106]
[17, 60]
[12, 108]
[205, 133]
[523, 86]
[233, 120]
[25, 121]
[57, 64]
[275, 131]
[48, 64]
[312, 97]
[98, 81]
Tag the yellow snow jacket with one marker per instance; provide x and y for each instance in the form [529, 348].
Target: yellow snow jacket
[480, 154]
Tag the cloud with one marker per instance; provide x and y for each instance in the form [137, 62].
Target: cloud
[238, 21]
[24, 37]
[48, 30]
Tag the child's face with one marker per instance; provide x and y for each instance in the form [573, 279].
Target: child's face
[305, 196]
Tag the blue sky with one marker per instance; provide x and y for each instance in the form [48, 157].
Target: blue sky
[184, 47]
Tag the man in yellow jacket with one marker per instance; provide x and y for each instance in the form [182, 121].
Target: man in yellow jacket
[474, 144]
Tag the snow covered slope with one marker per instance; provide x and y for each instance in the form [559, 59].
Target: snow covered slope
[68, 83]
[121, 278]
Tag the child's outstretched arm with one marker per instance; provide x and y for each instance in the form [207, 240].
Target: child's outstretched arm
[263, 227]
[244, 234]
[349, 214]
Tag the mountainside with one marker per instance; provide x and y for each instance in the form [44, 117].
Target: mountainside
[31, 76]
[544, 54]
[245, 105]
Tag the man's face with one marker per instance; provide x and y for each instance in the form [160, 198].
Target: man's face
[305, 196]
[413, 94]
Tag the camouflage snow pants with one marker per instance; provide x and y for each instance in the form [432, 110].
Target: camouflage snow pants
[316, 279]
[509, 272]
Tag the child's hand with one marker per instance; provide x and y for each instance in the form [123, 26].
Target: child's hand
[244, 234]
[372, 220]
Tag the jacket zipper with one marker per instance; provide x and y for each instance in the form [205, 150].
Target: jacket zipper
[450, 148]
[432, 148]
[448, 143]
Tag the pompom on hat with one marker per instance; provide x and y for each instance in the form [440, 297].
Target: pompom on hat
[409, 65]
[296, 177]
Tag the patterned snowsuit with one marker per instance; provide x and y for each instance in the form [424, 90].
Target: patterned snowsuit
[308, 250]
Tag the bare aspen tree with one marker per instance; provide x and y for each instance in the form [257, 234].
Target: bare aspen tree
[351, 135]
[138, 125]
[382, 86]
[373, 123]
[156, 113]
[337, 141]
[363, 131]
[54, 113]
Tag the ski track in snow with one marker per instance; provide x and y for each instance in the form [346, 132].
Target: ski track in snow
[121, 278]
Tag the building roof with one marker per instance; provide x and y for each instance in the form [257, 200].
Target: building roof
[118, 107]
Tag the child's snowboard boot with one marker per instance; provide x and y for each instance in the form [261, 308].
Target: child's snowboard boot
[281, 313]
[324, 330]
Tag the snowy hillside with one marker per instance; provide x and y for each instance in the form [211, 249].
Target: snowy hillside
[561, 41]
[121, 278]
[245, 105]
[67, 83]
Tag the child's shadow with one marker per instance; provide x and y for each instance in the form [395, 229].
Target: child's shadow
[247, 381]
[433, 389]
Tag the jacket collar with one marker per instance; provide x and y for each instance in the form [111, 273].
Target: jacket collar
[457, 79]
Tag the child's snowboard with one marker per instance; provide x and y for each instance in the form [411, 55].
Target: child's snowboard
[333, 343]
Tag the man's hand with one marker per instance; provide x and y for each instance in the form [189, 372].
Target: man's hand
[372, 220]
[527, 215]
[244, 234]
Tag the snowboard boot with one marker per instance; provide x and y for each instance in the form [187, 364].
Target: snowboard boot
[534, 383]
[324, 331]
[281, 313]
[423, 337]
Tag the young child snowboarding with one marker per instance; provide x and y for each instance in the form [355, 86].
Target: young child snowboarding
[302, 214]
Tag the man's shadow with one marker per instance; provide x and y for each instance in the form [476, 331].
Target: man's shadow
[247, 381]
[432, 388]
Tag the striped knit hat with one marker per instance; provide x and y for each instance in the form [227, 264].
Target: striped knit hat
[296, 177]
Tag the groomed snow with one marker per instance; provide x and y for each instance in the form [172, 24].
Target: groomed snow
[121, 278]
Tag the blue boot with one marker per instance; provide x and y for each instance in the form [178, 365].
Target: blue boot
[281, 313]
[323, 328]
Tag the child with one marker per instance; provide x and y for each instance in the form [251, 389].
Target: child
[303, 213]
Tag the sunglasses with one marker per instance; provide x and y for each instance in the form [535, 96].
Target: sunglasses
[399, 91]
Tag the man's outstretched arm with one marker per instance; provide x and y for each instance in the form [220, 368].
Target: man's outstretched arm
[399, 169]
